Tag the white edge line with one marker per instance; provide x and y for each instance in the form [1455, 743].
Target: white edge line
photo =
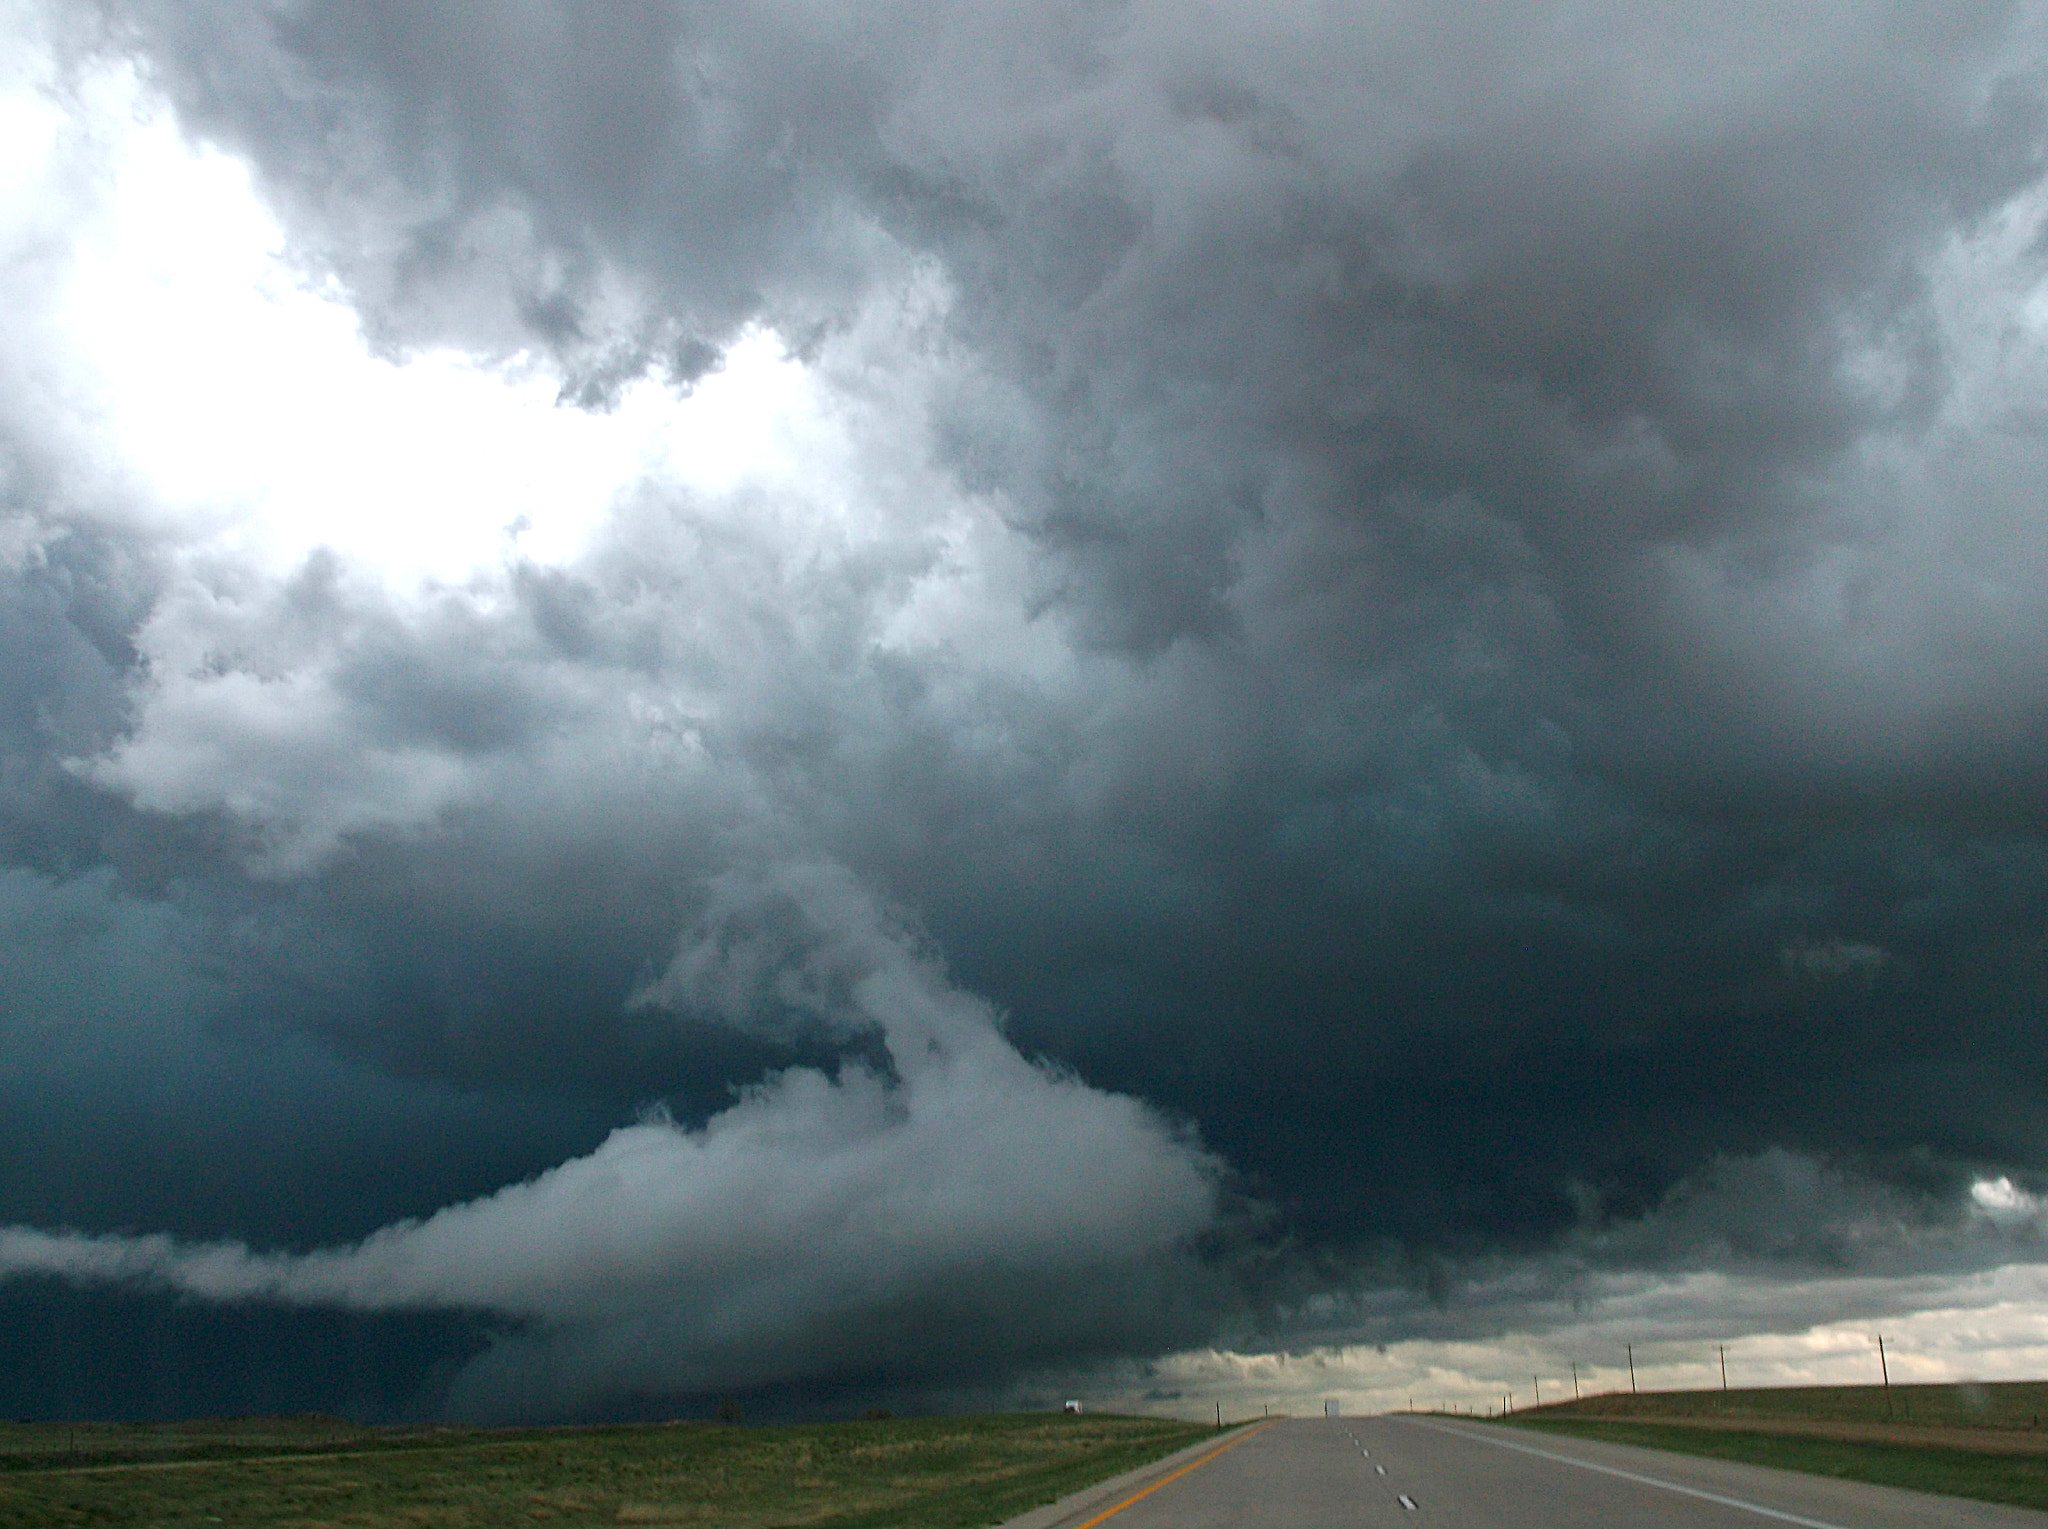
[1648, 1481]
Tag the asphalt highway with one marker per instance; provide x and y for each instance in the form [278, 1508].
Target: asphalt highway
[1410, 1472]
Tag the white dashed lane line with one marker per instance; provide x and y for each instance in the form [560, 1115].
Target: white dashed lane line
[1406, 1501]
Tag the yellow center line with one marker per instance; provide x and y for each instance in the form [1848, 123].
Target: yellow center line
[1163, 1480]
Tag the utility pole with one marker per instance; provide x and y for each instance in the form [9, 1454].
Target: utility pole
[1724, 1365]
[1575, 1380]
[1537, 1382]
[1219, 1414]
[1632, 1370]
[1886, 1371]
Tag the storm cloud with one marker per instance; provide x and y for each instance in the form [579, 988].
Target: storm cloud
[734, 685]
[789, 1229]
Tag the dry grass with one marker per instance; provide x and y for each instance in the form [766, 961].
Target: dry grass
[1984, 1441]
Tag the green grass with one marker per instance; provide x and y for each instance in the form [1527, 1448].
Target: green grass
[37, 1446]
[2012, 1404]
[2018, 1479]
[930, 1473]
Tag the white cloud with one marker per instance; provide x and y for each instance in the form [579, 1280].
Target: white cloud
[281, 753]
[2004, 1201]
[204, 393]
[225, 397]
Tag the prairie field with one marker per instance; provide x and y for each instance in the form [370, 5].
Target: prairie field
[927, 1473]
[2013, 1406]
[1981, 1440]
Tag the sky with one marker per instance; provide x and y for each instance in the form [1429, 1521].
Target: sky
[957, 704]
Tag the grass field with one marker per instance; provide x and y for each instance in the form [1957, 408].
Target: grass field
[931, 1473]
[1981, 1441]
[2012, 1405]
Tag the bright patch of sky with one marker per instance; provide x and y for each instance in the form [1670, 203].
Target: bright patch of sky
[1981, 1327]
[2004, 1200]
[229, 398]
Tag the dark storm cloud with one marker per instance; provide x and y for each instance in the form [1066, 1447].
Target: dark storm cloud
[1508, 681]
[819, 1224]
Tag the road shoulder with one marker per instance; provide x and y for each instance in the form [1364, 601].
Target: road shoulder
[1079, 1507]
[1793, 1495]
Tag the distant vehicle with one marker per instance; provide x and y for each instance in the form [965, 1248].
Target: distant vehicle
[1329, 1409]
[1074, 1407]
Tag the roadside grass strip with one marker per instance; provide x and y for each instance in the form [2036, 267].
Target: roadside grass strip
[2020, 1480]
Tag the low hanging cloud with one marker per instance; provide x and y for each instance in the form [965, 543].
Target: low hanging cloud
[817, 1226]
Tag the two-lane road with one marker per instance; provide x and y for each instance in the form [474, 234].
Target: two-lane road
[1410, 1472]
